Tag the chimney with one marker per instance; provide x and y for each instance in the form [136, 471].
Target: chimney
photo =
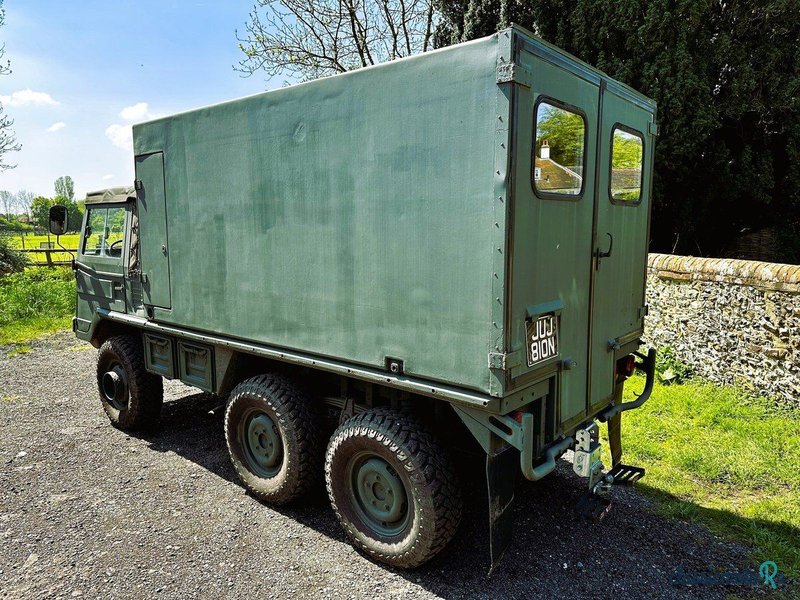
[544, 152]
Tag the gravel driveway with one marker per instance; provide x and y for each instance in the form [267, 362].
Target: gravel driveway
[86, 510]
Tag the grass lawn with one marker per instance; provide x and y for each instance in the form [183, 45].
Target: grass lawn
[37, 301]
[719, 457]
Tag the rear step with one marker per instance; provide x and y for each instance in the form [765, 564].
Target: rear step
[626, 474]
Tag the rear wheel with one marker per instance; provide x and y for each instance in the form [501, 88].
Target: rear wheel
[131, 396]
[393, 487]
[273, 437]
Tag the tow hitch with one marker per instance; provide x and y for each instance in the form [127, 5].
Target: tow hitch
[596, 502]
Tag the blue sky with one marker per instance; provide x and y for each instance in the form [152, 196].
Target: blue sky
[83, 72]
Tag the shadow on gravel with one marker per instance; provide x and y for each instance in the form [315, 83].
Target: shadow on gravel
[633, 549]
[187, 429]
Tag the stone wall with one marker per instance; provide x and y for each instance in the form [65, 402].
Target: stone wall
[733, 321]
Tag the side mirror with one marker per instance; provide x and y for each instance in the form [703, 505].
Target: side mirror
[58, 219]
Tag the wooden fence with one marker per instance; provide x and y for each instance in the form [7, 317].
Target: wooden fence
[61, 258]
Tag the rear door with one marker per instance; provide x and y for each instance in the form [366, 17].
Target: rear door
[151, 210]
[623, 208]
[557, 119]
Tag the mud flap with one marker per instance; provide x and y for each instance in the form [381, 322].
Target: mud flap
[501, 476]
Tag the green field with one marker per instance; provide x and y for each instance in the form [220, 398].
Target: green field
[69, 241]
[716, 456]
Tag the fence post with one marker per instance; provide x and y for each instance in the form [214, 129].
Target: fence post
[49, 257]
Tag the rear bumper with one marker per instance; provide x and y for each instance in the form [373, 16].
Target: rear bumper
[552, 452]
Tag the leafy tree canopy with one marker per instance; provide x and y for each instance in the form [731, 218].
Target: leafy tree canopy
[40, 211]
[726, 76]
[564, 132]
[65, 187]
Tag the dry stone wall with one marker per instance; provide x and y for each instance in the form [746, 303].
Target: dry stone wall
[733, 321]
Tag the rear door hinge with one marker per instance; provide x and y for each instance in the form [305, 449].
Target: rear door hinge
[497, 360]
[137, 184]
[504, 362]
[644, 311]
[508, 72]
[652, 128]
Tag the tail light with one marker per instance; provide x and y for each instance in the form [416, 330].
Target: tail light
[626, 365]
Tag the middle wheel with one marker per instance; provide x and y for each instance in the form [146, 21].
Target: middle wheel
[273, 438]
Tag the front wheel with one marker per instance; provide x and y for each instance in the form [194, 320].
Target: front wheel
[393, 488]
[131, 396]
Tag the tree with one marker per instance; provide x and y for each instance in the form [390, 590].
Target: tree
[6, 203]
[40, 211]
[65, 187]
[8, 139]
[74, 213]
[22, 202]
[725, 76]
[564, 132]
[307, 39]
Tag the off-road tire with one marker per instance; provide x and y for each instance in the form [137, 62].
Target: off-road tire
[298, 421]
[426, 471]
[145, 389]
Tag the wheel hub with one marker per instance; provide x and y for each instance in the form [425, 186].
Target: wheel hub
[264, 444]
[115, 387]
[380, 494]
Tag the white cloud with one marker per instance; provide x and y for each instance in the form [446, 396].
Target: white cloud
[137, 113]
[28, 98]
[120, 135]
[108, 177]
[57, 126]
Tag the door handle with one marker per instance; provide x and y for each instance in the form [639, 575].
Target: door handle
[600, 254]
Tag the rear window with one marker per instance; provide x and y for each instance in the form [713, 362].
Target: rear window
[558, 151]
[627, 156]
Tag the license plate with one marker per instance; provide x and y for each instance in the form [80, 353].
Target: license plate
[542, 339]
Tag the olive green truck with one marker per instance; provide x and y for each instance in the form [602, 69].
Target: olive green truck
[377, 269]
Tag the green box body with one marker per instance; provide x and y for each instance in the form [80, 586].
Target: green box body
[389, 212]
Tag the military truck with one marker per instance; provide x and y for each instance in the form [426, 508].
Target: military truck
[378, 268]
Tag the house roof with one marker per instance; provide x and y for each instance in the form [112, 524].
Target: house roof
[556, 177]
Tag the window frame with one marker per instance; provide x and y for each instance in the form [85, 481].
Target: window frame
[640, 135]
[105, 259]
[544, 195]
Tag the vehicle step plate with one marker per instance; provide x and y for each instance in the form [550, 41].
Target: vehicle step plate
[626, 474]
